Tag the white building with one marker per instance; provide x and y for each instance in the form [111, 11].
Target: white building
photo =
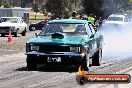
[15, 12]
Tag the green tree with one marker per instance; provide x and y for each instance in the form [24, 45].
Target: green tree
[104, 8]
[6, 4]
[93, 7]
[59, 7]
[0, 3]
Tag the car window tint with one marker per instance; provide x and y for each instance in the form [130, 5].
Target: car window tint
[12, 20]
[80, 29]
[70, 28]
[91, 28]
[52, 28]
[42, 22]
[88, 30]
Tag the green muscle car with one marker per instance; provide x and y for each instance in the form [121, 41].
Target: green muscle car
[65, 42]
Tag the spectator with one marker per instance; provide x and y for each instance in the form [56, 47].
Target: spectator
[74, 13]
[45, 21]
[91, 18]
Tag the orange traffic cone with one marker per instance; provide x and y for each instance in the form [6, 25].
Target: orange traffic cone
[9, 37]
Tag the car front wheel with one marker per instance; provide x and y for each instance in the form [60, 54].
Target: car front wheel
[33, 28]
[85, 62]
[23, 33]
[31, 62]
[16, 33]
[2, 35]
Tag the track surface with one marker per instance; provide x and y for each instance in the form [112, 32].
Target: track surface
[14, 74]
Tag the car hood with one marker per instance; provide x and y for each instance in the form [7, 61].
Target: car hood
[77, 39]
[8, 24]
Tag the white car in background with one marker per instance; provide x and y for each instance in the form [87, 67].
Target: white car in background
[115, 22]
[15, 24]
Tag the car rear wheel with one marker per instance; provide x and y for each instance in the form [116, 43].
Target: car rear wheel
[31, 62]
[96, 59]
[33, 28]
[85, 62]
[2, 35]
[24, 33]
[16, 34]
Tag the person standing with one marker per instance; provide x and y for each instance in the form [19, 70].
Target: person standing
[100, 22]
[46, 21]
[91, 18]
[74, 13]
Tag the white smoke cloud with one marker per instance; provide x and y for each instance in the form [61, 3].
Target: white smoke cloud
[119, 43]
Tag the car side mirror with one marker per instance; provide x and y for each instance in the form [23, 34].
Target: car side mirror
[92, 36]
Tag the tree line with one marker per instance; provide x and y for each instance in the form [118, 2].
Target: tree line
[100, 8]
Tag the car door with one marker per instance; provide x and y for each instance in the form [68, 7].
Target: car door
[23, 24]
[21, 28]
[19, 23]
[41, 24]
[90, 40]
[98, 38]
[93, 38]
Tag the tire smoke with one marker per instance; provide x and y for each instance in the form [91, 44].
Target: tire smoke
[117, 43]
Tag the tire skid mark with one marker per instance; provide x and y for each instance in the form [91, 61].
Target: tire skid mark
[37, 79]
[14, 75]
[63, 83]
[55, 83]
[127, 68]
[12, 66]
[102, 66]
[106, 64]
[5, 58]
[52, 81]
[116, 67]
[21, 82]
[9, 62]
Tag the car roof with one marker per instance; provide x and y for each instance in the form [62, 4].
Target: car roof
[10, 17]
[114, 15]
[68, 21]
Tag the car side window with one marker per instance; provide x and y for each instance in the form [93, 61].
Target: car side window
[89, 32]
[80, 29]
[91, 28]
[42, 22]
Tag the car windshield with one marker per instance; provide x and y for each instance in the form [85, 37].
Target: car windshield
[115, 19]
[68, 28]
[12, 20]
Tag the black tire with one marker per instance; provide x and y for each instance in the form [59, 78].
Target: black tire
[85, 62]
[2, 35]
[32, 28]
[16, 34]
[96, 59]
[24, 33]
[31, 62]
